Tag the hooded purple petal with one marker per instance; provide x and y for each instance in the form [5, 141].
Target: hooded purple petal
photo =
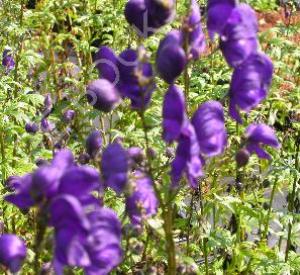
[93, 143]
[209, 125]
[173, 113]
[12, 252]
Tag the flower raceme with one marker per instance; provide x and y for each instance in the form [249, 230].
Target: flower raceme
[180, 46]
[12, 252]
[147, 16]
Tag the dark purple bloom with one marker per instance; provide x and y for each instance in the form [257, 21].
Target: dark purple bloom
[142, 202]
[209, 125]
[106, 63]
[84, 158]
[149, 15]
[136, 78]
[187, 159]
[12, 252]
[196, 38]
[114, 167]
[93, 143]
[173, 113]
[218, 12]
[239, 37]
[171, 58]
[249, 84]
[258, 135]
[8, 60]
[135, 154]
[46, 125]
[31, 128]
[68, 116]
[48, 102]
[102, 95]
[13, 182]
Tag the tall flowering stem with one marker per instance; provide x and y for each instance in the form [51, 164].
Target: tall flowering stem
[291, 199]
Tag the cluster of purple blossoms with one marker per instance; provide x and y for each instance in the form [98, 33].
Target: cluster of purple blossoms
[7, 60]
[128, 75]
[237, 28]
[204, 136]
[86, 234]
[147, 16]
[181, 46]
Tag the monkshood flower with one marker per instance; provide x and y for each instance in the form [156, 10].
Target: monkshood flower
[135, 155]
[249, 84]
[12, 252]
[259, 135]
[48, 102]
[239, 36]
[102, 95]
[46, 125]
[136, 78]
[114, 167]
[8, 60]
[218, 12]
[170, 57]
[87, 239]
[141, 203]
[147, 16]
[209, 125]
[31, 128]
[106, 63]
[195, 35]
[187, 159]
[173, 113]
[93, 143]
[68, 116]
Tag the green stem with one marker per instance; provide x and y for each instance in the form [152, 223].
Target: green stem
[291, 199]
[189, 225]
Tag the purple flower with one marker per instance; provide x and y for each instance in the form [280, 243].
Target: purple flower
[171, 58]
[12, 252]
[106, 63]
[136, 78]
[48, 102]
[135, 154]
[258, 135]
[173, 113]
[239, 37]
[249, 84]
[84, 158]
[102, 95]
[208, 122]
[114, 167]
[93, 143]
[149, 15]
[187, 159]
[31, 128]
[68, 115]
[218, 12]
[196, 38]
[46, 126]
[8, 60]
[142, 202]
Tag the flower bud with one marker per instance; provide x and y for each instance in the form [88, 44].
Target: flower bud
[31, 128]
[48, 102]
[84, 158]
[93, 143]
[242, 157]
[68, 116]
[102, 95]
[136, 154]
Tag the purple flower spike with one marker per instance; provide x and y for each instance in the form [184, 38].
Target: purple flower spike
[173, 113]
[239, 37]
[258, 135]
[12, 252]
[171, 58]
[187, 159]
[31, 128]
[218, 12]
[114, 167]
[209, 125]
[68, 116]
[249, 84]
[102, 95]
[93, 143]
[7, 60]
[106, 63]
[142, 203]
[196, 36]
